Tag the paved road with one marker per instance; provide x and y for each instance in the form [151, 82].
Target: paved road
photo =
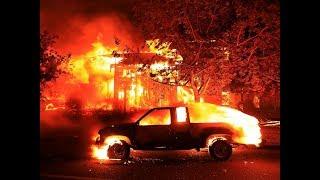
[246, 163]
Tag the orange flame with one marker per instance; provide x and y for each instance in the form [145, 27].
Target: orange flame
[92, 79]
[163, 49]
[184, 95]
[247, 127]
[96, 68]
[101, 153]
[160, 117]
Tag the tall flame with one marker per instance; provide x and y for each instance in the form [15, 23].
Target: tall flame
[163, 49]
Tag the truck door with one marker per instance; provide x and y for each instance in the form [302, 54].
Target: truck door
[181, 127]
[154, 129]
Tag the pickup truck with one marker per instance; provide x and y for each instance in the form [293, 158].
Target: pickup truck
[168, 128]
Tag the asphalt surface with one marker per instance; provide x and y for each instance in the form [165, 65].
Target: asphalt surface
[245, 163]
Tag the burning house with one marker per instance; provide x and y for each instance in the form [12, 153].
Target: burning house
[135, 90]
[105, 78]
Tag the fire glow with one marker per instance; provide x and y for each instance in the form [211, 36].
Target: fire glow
[181, 114]
[247, 130]
[246, 127]
[96, 70]
[101, 152]
[92, 78]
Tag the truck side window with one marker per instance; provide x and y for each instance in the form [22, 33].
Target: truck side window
[181, 114]
[157, 117]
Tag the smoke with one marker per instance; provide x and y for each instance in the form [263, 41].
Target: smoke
[78, 23]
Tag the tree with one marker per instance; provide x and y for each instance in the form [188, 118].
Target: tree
[228, 44]
[253, 43]
[50, 60]
[192, 27]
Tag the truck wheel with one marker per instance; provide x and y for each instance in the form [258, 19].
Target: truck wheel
[119, 151]
[220, 150]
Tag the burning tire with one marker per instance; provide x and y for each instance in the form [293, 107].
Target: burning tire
[220, 150]
[119, 151]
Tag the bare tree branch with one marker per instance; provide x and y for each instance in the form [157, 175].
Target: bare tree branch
[193, 34]
[210, 23]
[249, 39]
[204, 86]
[251, 52]
[238, 37]
[273, 79]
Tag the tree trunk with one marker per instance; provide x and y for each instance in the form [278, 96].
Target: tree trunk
[196, 96]
[195, 90]
[256, 101]
[196, 93]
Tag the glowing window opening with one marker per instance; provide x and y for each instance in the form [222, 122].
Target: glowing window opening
[157, 117]
[181, 114]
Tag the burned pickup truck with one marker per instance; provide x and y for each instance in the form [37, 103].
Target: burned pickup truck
[167, 128]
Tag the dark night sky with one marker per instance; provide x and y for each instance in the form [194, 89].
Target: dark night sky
[79, 22]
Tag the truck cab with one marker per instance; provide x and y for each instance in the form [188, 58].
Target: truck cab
[164, 128]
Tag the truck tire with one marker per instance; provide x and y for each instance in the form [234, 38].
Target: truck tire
[119, 151]
[220, 150]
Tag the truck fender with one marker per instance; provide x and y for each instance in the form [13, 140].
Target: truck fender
[214, 137]
[122, 138]
[214, 133]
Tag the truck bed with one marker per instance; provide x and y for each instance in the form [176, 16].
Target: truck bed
[197, 129]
